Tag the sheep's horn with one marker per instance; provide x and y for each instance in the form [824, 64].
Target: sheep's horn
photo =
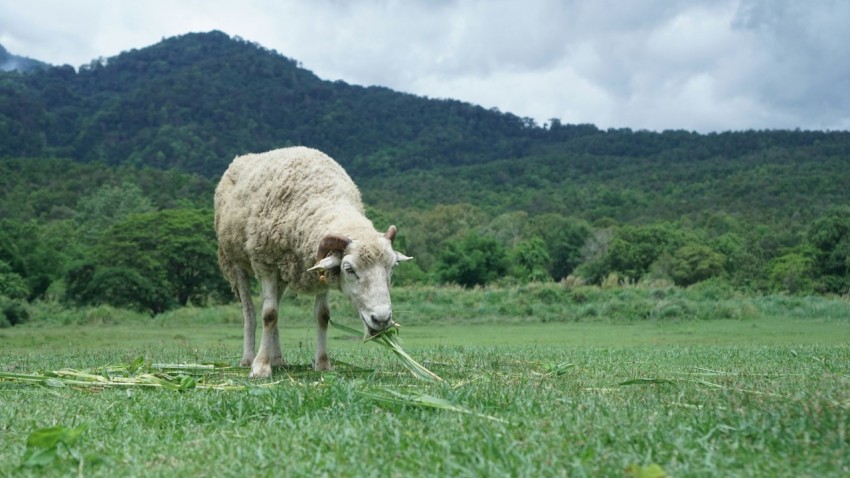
[330, 243]
[391, 233]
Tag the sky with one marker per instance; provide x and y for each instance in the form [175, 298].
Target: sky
[697, 65]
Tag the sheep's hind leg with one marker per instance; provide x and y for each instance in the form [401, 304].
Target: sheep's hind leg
[249, 318]
[269, 353]
[323, 314]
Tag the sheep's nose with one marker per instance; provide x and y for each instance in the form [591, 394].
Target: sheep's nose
[382, 321]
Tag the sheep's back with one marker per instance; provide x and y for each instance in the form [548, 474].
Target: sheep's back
[274, 207]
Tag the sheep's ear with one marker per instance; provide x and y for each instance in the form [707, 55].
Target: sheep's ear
[390, 234]
[399, 257]
[329, 262]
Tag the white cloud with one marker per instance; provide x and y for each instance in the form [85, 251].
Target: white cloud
[656, 64]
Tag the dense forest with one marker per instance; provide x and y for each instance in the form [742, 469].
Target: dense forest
[107, 174]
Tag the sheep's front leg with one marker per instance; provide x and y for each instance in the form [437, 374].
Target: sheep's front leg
[249, 319]
[323, 315]
[269, 353]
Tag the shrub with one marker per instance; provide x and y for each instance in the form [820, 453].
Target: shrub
[473, 260]
[694, 263]
[12, 312]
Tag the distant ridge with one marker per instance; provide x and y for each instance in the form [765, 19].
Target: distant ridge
[192, 102]
[10, 62]
[195, 101]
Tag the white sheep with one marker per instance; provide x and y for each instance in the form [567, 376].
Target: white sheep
[293, 218]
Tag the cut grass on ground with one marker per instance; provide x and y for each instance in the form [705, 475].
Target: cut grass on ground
[759, 397]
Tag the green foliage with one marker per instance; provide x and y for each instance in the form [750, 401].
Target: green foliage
[793, 272]
[564, 238]
[530, 260]
[441, 225]
[694, 263]
[152, 129]
[48, 189]
[11, 283]
[43, 445]
[151, 261]
[830, 236]
[31, 252]
[12, 311]
[409, 273]
[633, 249]
[96, 212]
[20, 63]
[472, 260]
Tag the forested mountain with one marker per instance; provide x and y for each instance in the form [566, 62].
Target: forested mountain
[150, 130]
[193, 102]
[10, 62]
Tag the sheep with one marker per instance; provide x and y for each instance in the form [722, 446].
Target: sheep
[293, 218]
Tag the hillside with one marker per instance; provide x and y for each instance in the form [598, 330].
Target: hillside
[149, 132]
[195, 101]
[10, 62]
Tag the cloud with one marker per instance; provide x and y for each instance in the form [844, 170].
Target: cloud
[705, 65]
[801, 66]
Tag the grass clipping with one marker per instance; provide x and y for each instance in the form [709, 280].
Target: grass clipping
[138, 373]
[389, 339]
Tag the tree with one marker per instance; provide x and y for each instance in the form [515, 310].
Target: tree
[12, 285]
[152, 261]
[472, 260]
[33, 253]
[793, 272]
[564, 238]
[530, 260]
[108, 205]
[427, 233]
[830, 236]
[694, 263]
[633, 249]
[13, 290]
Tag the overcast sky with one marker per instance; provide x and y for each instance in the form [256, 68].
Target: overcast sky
[703, 65]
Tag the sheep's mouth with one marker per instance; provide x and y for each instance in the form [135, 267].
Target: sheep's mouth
[372, 333]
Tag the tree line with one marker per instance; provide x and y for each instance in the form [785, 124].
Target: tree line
[144, 239]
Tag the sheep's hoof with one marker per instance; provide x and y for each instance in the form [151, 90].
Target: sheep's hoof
[260, 370]
[322, 363]
[246, 361]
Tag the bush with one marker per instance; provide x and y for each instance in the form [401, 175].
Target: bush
[694, 263]
[793, 273]
[151, 262]
[474, 260]
[12, 285]
[12, 312]
[530, 260]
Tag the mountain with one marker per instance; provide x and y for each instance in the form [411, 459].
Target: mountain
[193, 102]
[22, 64]
[152, 129]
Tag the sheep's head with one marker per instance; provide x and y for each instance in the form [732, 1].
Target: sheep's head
[364, 269]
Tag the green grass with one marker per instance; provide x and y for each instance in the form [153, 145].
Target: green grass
[763, 393]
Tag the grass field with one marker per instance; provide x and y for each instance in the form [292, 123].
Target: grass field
[761, 390]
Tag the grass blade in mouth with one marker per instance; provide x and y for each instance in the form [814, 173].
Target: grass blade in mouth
[389, 338]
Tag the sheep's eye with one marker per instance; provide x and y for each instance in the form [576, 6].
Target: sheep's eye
[348, 269]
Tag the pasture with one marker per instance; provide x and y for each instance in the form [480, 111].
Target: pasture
[538, 382]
